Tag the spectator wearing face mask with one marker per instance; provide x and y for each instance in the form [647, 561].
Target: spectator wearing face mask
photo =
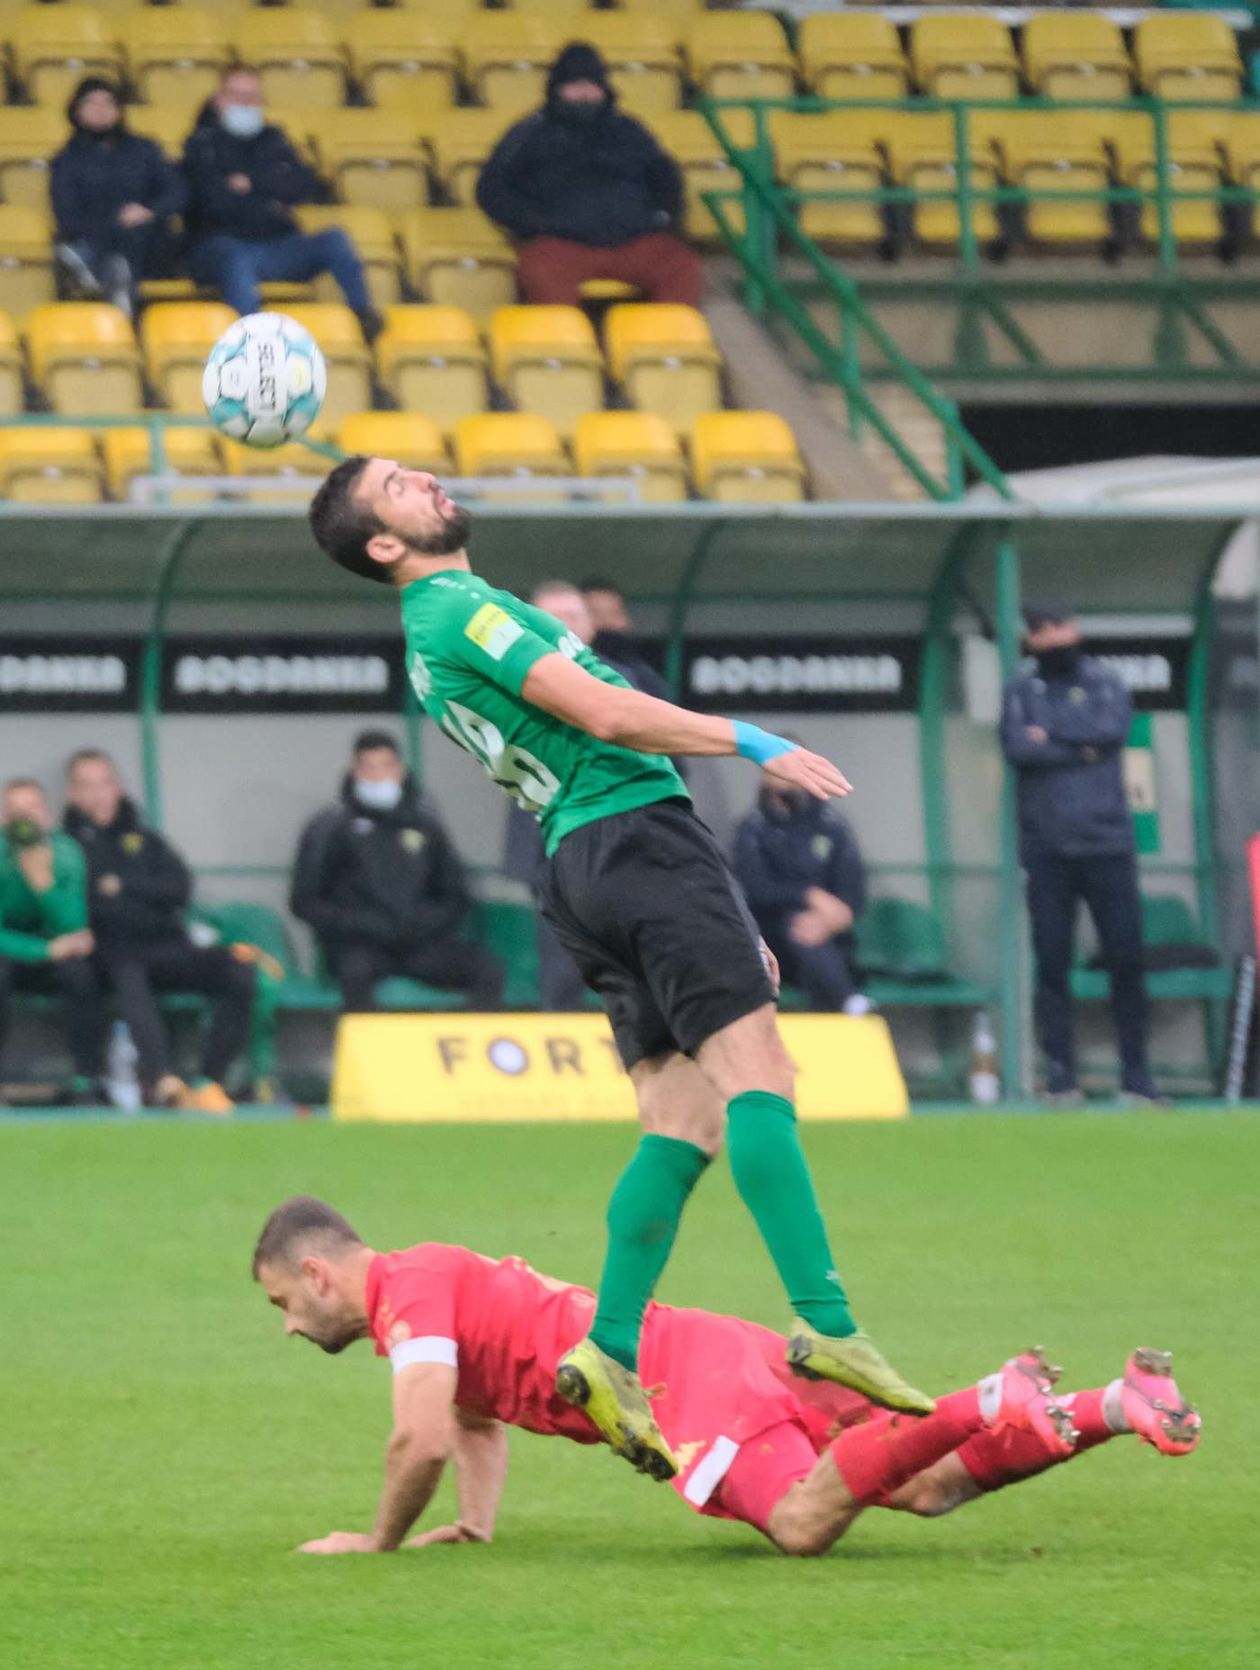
[798, 861]
[138, 891]
[378, 880]
[613, 636]
[113, 194]
[1065, 722]
[589, 193]
[45, 943]
[244, 181]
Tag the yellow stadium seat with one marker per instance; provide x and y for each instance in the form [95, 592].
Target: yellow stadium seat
[298, 55]
[1076, 54]
[128, 453]
[432, 361]
[923, 157]
[1194, 165]
[404, 60]
[340, 339]
[54, 47]
[295, 464]
[450, 9]
[84, 357]
[1242, 147]
[176, 338]
[548, 361]
[461, 141]
[963, 55]
[372, 235]
[11, 391]
[409, 437]
[506, 56]
[740, 55]
[831, 152]
[1188, 55]
[519, 444]
[168, 125]
[705, 166]
[49, 466]
[26, 259]
[28, 141]
[664, 358]
[643, 58]
[456, 255]
[638, 444]
[374, 158]
[852, 55]
[175, 52]
[1048, 154]
[746, 456]
[678, 8]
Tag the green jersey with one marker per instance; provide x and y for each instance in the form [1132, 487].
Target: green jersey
[469, 648]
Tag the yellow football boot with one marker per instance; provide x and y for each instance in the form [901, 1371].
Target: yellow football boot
[614, 1399]
[855, 1362]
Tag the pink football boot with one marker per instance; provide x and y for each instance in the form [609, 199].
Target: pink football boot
[1029, 1405]
[1154, 1407]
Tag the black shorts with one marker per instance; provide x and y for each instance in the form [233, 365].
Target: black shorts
[650, 912]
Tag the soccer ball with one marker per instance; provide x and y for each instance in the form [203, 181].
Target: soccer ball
[265, 380]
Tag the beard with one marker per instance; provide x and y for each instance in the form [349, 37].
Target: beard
[450, 537]
[331, 1343]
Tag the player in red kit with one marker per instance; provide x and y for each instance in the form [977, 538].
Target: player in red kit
[472, 1343]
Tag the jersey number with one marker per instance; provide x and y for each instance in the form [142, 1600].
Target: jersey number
[524, 776]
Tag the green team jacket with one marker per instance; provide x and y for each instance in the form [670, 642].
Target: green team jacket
[28, 920]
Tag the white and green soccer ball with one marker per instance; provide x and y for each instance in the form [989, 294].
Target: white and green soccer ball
[265, 380]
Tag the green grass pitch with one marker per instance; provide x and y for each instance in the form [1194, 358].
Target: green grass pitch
[162, 1448]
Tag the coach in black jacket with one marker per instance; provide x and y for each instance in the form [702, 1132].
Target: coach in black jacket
[138, 891]
[590, 193]
[113, 194]
[378, 880]
[799, 864]
[1064, 727]
[244, 181]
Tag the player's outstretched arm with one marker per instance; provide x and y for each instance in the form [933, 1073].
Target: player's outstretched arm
[424, 1397]
[481, 1463]
[630, 719]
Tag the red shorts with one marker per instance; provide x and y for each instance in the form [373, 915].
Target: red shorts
[743, 1427]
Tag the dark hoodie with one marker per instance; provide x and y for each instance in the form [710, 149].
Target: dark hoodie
[382, 878]
[582, 172]
[278, 179]
[783, 851]
[155, 885]
[95, 174]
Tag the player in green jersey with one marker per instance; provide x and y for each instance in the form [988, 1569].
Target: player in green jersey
[638, 892]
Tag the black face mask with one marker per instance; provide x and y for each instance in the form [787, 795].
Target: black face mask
[578, 115]
[1059, 663]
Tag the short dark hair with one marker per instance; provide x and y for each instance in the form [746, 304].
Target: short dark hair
[342, 527]
[597, 583]
[375, 739]
[238, 66]
[81, 756]
[302, 1222]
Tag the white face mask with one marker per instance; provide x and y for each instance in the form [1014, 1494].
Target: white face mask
[242, 121]
[380, 796]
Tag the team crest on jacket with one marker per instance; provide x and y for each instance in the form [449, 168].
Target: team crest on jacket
[412, 839]
[132, 842]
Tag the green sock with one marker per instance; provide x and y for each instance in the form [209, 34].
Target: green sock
[773, 1179]
[643, 1217]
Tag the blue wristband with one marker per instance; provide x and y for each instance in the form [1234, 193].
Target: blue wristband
[752, 743]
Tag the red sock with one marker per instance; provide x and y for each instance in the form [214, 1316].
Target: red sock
[1000, 1458]
[882, 1454]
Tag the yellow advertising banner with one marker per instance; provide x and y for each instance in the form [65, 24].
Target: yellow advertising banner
[548, 1067]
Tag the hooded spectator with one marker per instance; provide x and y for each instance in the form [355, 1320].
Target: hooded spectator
[244, 181]
[113, 194]
[590, 193]
[378, 880]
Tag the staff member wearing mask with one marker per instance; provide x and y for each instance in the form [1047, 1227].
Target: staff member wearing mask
[1064, 726]
[378, 880]
[244, 180]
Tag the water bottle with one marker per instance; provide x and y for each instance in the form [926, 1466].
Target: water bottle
[984, 1083]
[121, 1080]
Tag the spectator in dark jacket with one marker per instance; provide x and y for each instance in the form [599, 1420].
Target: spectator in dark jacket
[113, 195]
[378, 880]
[1064, 726]
[589, 192]
[244, 180]
[614, 640]
[138, 891]
[798, 862]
